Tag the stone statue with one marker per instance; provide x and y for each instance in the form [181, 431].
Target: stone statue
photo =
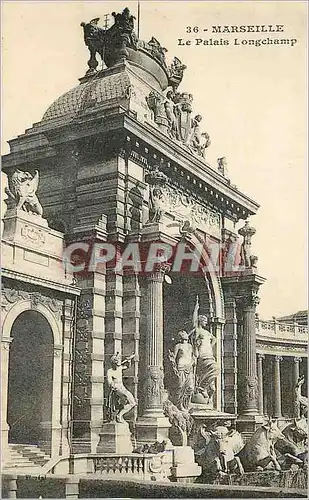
[94, 38]
[120, 400]
[245, 251]
[23, 191]
[176, 70]
[179, 419]
[199, 141]
[124, 23]
[156, 204]
[170, 114]
[301, 401]
[156, 102]
[111, 44]
[222, 166]
[206, 367]
[157, 51]
[157, 181]
[183, 361]
[183, 109]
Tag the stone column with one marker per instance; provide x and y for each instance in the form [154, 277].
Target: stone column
[249, 375]
[295, 377]
[277, 387]
[153, 425]
[5, 351]
[260, 358]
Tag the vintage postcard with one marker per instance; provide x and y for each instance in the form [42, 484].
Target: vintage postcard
[154, 228]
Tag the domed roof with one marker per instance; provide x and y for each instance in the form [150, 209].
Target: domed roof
[89, 93]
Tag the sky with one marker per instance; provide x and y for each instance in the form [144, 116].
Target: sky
[253, 101]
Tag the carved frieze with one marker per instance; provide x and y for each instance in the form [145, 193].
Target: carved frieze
[10, 296]
[32, 235]
[183, 208]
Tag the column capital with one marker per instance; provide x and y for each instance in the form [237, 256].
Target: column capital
[278, 358]
[297, 359]
[260, 356]
[250, 301]
[6, 342]
[158, 272]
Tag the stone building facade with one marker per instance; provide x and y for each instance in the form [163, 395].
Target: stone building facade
[122, 159]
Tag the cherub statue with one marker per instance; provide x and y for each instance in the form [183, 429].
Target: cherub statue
[23, 190]
[120, 400]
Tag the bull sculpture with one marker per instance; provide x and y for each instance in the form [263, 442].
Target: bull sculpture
[220, 453]
[259, 452]
[292, 449]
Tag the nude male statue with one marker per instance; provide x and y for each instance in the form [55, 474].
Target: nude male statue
[120, 400]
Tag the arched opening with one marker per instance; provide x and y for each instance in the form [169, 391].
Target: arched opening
[30, 380]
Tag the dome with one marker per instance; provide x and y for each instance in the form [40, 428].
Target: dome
[93, 91]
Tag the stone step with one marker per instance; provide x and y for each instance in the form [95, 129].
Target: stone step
[25, 456]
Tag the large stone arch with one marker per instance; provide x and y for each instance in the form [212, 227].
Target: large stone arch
[199, 244]
[19, 306]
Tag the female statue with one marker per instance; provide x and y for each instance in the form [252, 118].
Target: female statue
[206, 368]
[183, 361]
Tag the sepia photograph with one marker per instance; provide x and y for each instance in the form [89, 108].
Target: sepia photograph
[154, 232]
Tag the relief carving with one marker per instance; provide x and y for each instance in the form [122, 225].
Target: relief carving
[167, 199]
[10, 296]
[154, 386]
[33, 235]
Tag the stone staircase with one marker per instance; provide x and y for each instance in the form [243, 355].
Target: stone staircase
[24, 457]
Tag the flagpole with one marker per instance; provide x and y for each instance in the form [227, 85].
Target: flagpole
[138, 17]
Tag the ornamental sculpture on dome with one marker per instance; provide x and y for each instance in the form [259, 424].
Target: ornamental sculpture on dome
[111, 44]
[176, 71]
[172, 114]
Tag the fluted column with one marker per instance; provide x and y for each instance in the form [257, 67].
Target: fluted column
[296, 405]
[277, 387]
[154, 342]
[260, 358]
[153, 425]
[249, 372]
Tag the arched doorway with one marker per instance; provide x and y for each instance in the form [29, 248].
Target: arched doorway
[30, 384]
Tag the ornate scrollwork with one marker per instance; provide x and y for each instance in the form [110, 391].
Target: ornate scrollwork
[10, 296]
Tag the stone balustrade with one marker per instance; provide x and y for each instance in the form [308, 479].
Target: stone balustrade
[274, 328]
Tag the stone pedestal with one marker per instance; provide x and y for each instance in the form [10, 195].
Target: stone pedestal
[185, 468]
[247, 424]
[205, 417]
[115, 438]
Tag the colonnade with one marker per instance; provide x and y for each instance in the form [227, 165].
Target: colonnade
[277, 377]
